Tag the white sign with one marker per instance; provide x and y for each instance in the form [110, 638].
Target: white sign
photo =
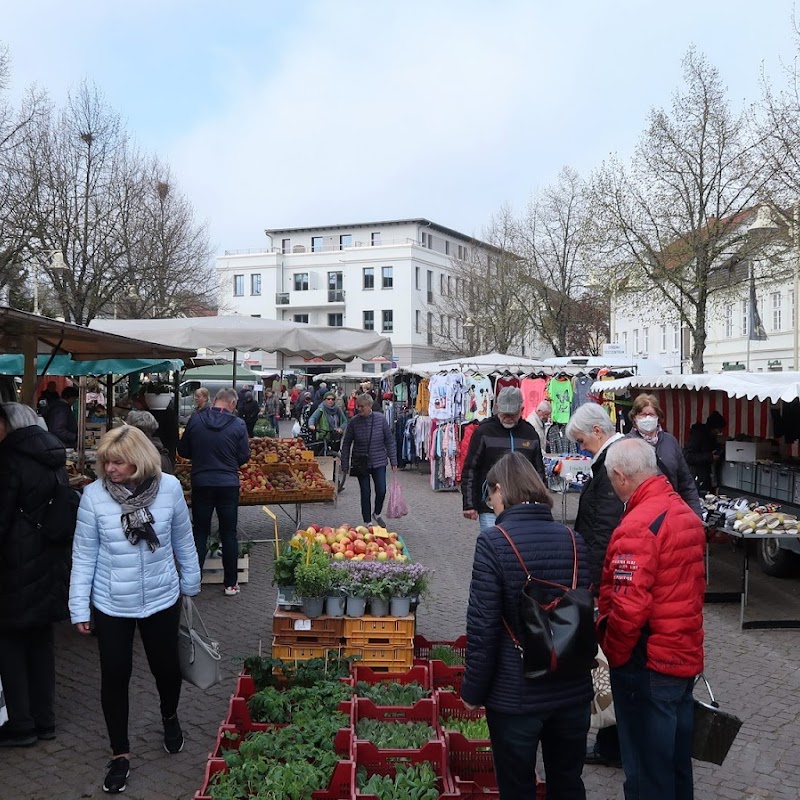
[302, 624]
[613, 350]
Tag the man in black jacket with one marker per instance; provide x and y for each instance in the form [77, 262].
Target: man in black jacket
[493, 438]
[60, 418]
[703, 451]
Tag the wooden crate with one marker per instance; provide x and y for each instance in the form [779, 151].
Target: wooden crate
[212, 570]
[302, 652]
[294, 628]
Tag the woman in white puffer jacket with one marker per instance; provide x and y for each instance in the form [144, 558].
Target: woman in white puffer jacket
[132, 559]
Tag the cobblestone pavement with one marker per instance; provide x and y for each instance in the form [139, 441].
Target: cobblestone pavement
[754, 673]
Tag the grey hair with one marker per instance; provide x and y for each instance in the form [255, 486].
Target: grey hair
[585, 418]
[143, 420]
[632, 458]
[545, 406]
[364, 400]
[19, 416]
[226, 396]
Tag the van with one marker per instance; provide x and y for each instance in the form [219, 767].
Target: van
[188, 388]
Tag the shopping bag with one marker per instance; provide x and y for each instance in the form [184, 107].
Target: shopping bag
[198, 653]
[714, 729]
[603, 715]
[396, 506]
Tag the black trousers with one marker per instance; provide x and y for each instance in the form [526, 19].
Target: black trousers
[159, 634]
[28, 672]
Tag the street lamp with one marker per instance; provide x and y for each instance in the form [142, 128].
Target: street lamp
[56, 263]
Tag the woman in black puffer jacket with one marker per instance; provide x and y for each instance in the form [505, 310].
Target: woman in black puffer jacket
[34, 575]
[553, 710]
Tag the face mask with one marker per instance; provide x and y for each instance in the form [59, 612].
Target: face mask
[647, 424]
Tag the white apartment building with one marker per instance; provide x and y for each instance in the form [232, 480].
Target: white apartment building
[393, 277]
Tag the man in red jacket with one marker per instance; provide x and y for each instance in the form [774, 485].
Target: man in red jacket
[651, 624]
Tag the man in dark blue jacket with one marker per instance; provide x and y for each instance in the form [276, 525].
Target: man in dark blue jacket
[216, 442]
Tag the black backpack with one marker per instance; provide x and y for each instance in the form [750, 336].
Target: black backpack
[557, 637]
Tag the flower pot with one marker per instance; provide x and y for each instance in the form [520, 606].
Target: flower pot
[313, 606]
[287, 596]
[334, 605]
[356, 606]
[378, 607]
[157, 401]
[400, 606]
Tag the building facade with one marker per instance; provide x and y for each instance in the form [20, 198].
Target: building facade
[393, 277]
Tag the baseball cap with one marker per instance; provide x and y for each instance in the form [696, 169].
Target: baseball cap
[509, 401]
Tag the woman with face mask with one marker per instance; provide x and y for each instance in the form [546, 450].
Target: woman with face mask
[646, 417]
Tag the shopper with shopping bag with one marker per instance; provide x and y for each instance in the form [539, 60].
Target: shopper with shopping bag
[133, 557]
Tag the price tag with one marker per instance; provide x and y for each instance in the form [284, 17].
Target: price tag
[302, 624]
[381, 533]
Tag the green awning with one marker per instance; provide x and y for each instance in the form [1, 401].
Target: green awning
[221, 372]
[64, 365]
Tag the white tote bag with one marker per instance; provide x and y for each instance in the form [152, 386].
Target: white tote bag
[603, 715]
[198, 653]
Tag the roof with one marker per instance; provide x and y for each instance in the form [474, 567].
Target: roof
[83, 344]
[380, 224]
[752, 385]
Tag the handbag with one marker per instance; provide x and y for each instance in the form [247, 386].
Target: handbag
[714, 729]
[359, 462]
[198, 653]
[603, 715]
[557, 636]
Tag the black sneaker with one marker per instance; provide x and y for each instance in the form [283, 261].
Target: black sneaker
[117, 775]
[379, 520]
[173, 735]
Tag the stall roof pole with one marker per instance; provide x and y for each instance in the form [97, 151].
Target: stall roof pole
[234, 369]
[29, 349]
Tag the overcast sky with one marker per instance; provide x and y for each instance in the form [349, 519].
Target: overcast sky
[282, 114]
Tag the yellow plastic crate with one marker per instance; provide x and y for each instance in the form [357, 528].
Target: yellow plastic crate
[301, 652]
[368, 627]
[385, 658]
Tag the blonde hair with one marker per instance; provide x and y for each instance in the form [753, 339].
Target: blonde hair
[130, 445]
[201, 391]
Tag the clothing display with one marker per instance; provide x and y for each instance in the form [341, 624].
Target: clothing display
[479, 397]
[559, 392]
[533, 390]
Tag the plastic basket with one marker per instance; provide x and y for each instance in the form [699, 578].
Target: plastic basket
[387, 630]
[384, 762]
[417, 674]
[303, 652]
[470, 760]
[423, 647]
[443, 676]
[450, 705]
[293, 628]
[423, 710]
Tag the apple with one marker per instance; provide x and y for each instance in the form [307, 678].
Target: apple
[382, 556]
[349, 553]
[326, 548]
[340, 536]
[401, 558]
[326, 530]
[338, 556]
[368, 537]
[330, 538]
[392, 536]
[370, 557]
[360, 546]
[362, 529]
[320, 538]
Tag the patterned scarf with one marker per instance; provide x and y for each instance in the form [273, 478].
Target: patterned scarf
[650, 438]
[137, 521]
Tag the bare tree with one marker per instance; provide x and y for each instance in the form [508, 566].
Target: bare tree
[677, 216]
[557, 241]
[484, 310]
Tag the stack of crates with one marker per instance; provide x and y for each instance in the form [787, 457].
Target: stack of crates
[384, 643]
[296, 637]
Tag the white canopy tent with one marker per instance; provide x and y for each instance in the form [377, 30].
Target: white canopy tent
[489, 362]
[573, 364]
[253, 333]
[346, 375]
[772, 387]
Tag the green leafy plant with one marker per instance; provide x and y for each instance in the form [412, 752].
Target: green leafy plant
[410, 782]
[270, 705]
[392, 694]
[299, 704]
[285, 566]
[446, 654]
[471, 728]
[214, 546]
[273, 779]
[395, 735]
[313, 579]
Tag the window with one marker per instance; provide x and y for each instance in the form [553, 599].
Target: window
[458, 287]
[430, 285]
[369, 320]
[255, 284]
[430, 327]
[446, 247]
[345, 240]
[625, 342]
[301, 281]
[676, 345]
[375, 238]
[424, 238]
[745, 318]
[645, 340]
[416, 277]
[777, 308]
[441, 326]
[462, 252]
[728, 321]
[792, 315]
[663, 347]
[387, 277]
[459, 331]
[286, 245]
[635, 341]
[301, 317]
[369, 277]
[449, 285]
[317, 244]
[387, 321]
[441, 284]
[335, 320]
[417, 320]
[238, 285]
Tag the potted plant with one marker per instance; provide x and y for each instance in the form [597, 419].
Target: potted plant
[335, 602]
[349, 577]
[376, 581]
[283, 575]
[407, 580]
[313, 577]
[157, 394]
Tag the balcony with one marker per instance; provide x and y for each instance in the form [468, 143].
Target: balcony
[336, 295]
[282, 299]
[310, 298]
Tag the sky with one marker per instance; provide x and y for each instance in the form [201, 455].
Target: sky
[313, 112]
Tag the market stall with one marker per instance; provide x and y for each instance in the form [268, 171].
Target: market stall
[759, 472]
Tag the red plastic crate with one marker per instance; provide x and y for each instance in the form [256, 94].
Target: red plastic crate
[470, 760]
[472, 790]
[443, 676]
[422, 647]
[450, 705]
[245, 686]
[213, 766]
[422, 711]
[342, 740]
[383, 762]
[419, 674]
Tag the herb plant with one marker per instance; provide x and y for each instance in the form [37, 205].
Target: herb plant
[471, 728]
[395, 735]
[411, 782]
[446, 654]
[392, 694]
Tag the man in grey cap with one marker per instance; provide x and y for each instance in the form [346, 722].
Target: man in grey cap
[505, 432]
